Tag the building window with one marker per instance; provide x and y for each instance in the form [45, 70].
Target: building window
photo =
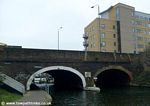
[132, 22]
[103, 26]
[145, 40]
[102, 35]
[140, 46]
[114, 43]
[145, 32]
[139, 38]
[103, 44]
[141, 17]
[137, 17]
[146, 19]
[94, 44]
[138, 23]
[133, 30]
[138, 30]
[118, 13]
[132, 13]
[148, 25]
[91, 45]
[114, 35]
[93, 37]
[113, 26]
[92, 28]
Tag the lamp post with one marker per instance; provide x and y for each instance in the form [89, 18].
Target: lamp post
[58, 35]
[85, 44]
[97, 8]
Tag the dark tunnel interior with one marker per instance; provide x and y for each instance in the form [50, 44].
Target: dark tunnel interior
[63, 80]
[66, 80]
[112, 78]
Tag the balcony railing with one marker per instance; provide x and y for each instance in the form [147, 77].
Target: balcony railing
[85, 36]
[85, 43]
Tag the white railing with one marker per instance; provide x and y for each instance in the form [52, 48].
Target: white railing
[85, 36]
[85, 43]
[13, 83]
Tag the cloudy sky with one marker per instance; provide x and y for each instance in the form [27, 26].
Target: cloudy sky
[35, 23]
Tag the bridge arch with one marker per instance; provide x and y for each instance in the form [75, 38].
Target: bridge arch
[50, 68]
[107, 75]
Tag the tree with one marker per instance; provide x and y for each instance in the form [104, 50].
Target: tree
[146, 57]
[141, 62]
[143, 78]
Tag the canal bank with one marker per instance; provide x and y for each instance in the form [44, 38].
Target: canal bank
[35, 97]
[8, 96]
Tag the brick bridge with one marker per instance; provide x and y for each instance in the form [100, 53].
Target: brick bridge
[67, 67]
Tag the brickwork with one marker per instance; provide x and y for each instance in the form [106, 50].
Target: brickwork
[21, 63]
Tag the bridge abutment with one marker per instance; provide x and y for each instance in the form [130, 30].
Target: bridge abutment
[90, 82]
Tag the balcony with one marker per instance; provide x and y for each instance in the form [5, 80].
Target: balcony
[85, 36]
[85, 43]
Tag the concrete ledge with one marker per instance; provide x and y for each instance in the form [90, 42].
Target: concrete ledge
[92, 89]
[14, 84]
[36, 97]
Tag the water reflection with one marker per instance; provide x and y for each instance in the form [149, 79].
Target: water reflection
[107, 97]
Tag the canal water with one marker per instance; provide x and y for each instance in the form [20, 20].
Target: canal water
[132, 96]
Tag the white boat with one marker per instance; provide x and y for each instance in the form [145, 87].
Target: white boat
[92, 89]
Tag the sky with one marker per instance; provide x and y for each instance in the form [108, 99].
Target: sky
[35, 23]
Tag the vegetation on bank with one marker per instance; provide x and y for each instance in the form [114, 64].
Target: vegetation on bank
[6, 96]
[143, 79]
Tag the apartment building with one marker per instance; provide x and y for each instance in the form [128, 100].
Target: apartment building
[119, 29]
